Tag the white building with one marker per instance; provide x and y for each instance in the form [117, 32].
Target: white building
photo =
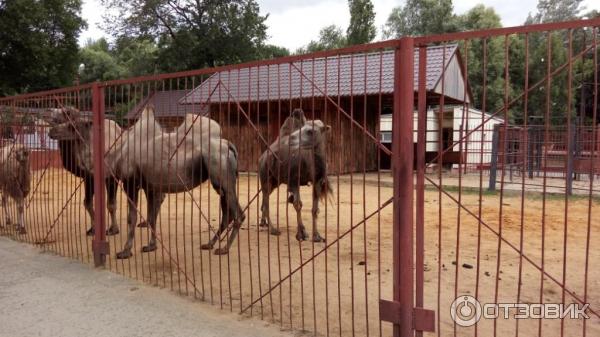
[467, 131]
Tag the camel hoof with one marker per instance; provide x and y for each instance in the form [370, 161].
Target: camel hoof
[143, 224]
[275, 231]
[318, 238]
[124, 255]
[206, 246]
[21, 231]
[113, 230]
[301, 236]
[90, 232]
[221, 251]
[149, 248]
[263, 224]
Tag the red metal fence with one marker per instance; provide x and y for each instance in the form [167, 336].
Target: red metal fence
[504, 206]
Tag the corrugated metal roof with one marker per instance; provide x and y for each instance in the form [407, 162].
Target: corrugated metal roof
[166, 104]
[356, 74]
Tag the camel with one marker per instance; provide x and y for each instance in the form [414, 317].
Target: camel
[160, 163]
[297, 160]
[15, 179]
[74, 136]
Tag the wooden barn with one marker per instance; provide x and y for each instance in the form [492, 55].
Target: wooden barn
[252, 103]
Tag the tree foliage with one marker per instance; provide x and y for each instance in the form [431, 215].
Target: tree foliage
[420, 17]
[481, 17]
[555, 11]
[330, 37]
[192, 34]
[362, 22]
[38, 44]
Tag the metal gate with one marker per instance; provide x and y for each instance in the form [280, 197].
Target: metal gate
[503, 210]
[506, 230]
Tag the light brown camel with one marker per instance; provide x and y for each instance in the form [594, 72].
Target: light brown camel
[296, 160]
[15, 179]
[160, 163]
[74, 136]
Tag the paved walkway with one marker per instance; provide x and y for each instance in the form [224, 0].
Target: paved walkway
[45, 295]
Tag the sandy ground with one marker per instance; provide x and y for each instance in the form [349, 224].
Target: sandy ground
[44, 295]
[337, 292]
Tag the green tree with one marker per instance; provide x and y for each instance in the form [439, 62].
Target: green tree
[552, 11]
[100, 63]
[38, 44]
[420, 17]
[481, 17]
[192, 34]
[270, 51]
[330, 37]
[555, 11]
[138, 56]
[362, 22]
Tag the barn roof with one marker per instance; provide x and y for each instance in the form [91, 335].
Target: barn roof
[356, 74]
[166, 104]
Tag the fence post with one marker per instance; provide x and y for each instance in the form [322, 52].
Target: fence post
[99, 243]
[494, 159]
[402, 166]
[402, 311]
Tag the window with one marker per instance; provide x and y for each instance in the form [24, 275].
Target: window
[386, 137]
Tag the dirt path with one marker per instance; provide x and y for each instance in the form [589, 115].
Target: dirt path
[45, 295]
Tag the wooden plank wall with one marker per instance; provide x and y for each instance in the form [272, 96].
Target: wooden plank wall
[348, 148]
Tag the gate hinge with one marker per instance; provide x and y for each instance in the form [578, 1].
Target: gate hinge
[423, 319]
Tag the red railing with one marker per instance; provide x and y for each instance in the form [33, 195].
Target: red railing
[504, 202]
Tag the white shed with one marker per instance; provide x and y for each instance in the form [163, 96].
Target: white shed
[458, 122]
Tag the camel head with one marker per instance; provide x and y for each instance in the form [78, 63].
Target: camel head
[299, 115]
[312, 134]
[77, 129]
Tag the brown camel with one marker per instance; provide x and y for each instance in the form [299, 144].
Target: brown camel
[74, 136]
[297, 160]
[160, 163]
[15, 178]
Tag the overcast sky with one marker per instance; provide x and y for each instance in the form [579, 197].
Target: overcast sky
[293, 23]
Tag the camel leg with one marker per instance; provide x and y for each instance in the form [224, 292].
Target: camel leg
[222, 226]
[111, 192]
[21, 217]
[132, 191]
[88, 202]
[266, 217]
[301, 234]
[5, 208]
[155, 200]
[316, 237]
[234, 212]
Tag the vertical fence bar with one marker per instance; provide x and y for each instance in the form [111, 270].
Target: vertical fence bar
[494, 159]
[420, 167]
[99, 244]
[402, 166]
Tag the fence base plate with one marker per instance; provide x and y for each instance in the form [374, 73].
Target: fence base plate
[423, 319]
